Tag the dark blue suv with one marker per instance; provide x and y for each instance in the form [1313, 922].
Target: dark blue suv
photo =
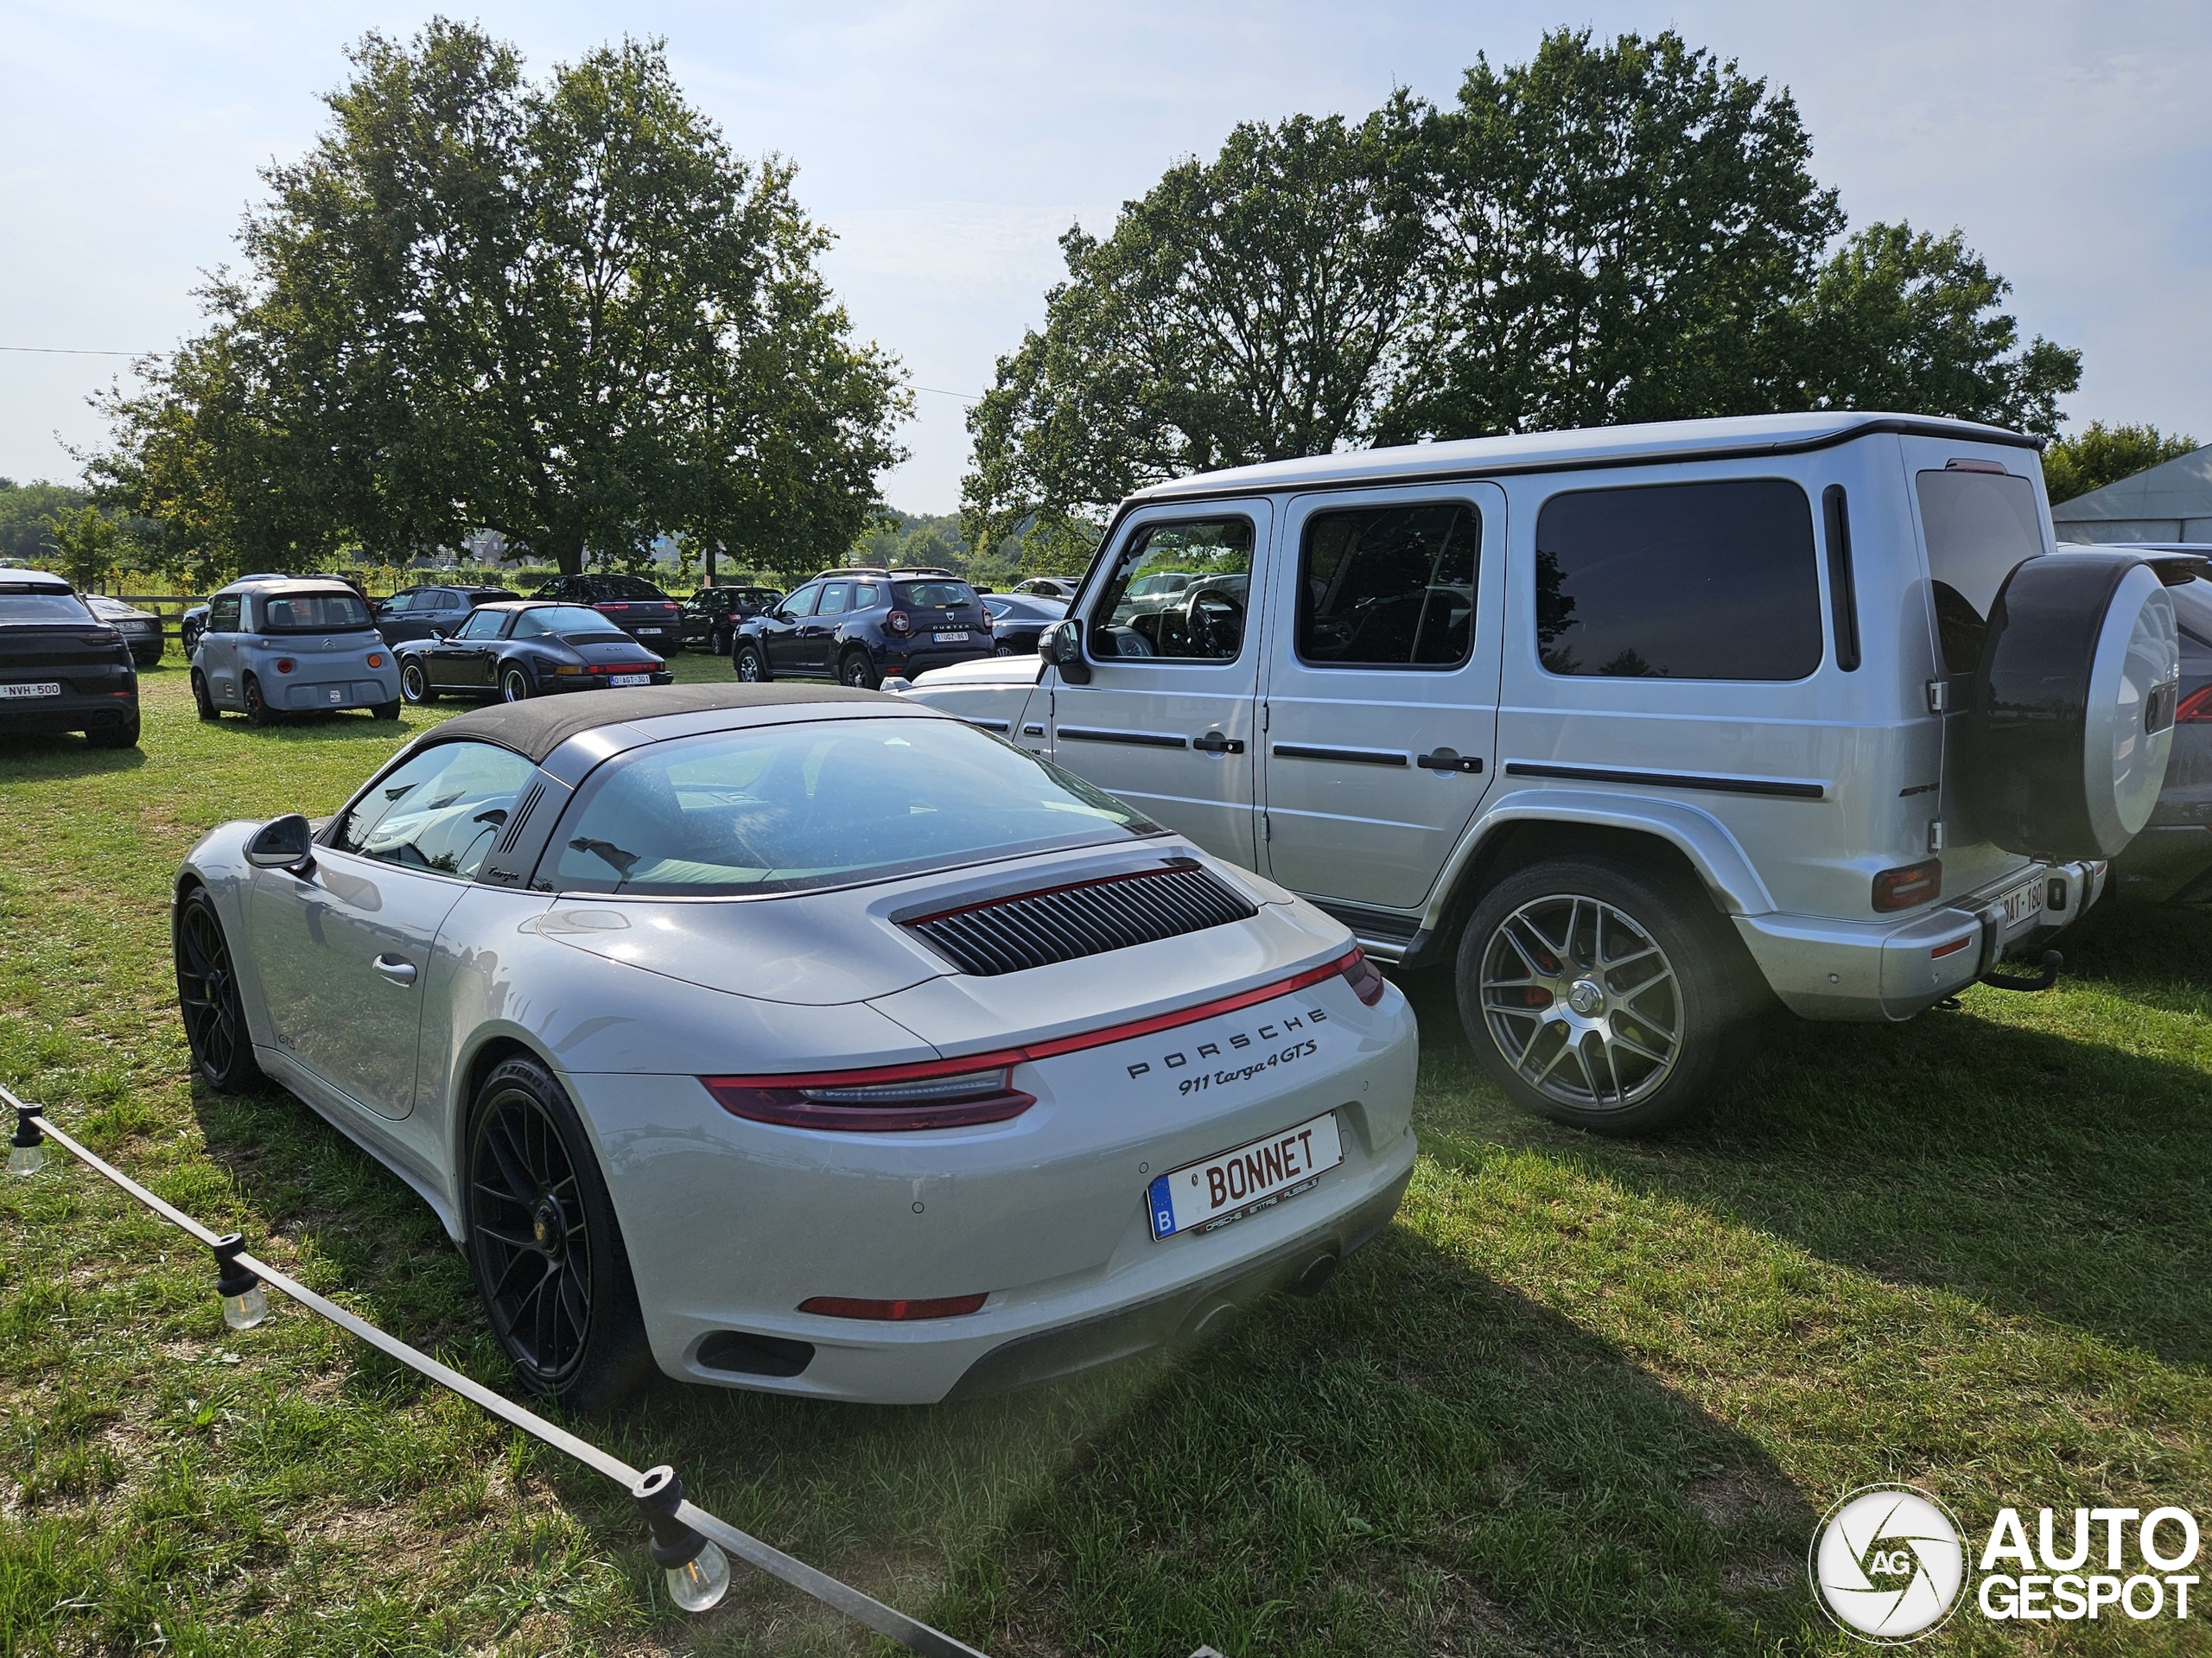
[857, 626]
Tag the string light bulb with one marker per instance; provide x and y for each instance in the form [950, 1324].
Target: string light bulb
[245, 1302]
[26, 1150]
[697, 1570]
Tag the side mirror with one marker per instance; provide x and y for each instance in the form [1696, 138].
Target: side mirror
[437, 634]
[1061, 644]
[285, 842]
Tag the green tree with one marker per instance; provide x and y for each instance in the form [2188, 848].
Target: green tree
[2100, 454]
[88, 546]
[1621, 230]
[1903, 319]
[561, 310]
[1245, 310]
[25, 511]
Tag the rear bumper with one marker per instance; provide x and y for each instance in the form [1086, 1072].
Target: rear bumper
[71, 711]
[375, 686]
[552, 684]
[1875, 970]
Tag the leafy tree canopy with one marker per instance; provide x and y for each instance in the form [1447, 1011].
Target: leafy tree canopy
[561, 310]
[1617, 231]
[25, 510]
[2100, 454]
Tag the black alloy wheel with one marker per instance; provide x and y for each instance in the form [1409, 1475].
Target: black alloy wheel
[855, 669]
[720, 642]
[201, 699]
[414, 682]
[542, 1242]
[1002, 649]
[258, 711]
[748, 664]
[514, 685]
[208, 996]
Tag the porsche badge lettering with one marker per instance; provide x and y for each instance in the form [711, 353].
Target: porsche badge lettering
[1294, 1029]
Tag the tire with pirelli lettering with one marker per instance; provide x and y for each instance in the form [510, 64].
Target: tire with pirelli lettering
[1603, 994]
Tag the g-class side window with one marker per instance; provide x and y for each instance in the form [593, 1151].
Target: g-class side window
[1389, 586]
[1707, 580]
[1178, 592]
[1979, 526]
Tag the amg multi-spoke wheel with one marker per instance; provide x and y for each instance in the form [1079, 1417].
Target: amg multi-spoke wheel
[1600, 995]
[541, 1240]
[1582, 1001]
[207, 994]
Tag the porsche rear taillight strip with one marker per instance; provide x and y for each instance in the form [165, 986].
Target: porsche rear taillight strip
[781, 1098]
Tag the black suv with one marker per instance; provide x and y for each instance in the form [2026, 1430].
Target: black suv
[61, 668]
[417, 613]
[711, 615]
[631, 602]
[856, 626]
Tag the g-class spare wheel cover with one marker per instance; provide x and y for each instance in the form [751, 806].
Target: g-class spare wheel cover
[2073, 710]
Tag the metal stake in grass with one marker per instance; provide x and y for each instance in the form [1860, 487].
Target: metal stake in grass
[26, 1150]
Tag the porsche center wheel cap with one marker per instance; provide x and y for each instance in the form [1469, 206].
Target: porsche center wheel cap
[1586, 998]
[545, 1227]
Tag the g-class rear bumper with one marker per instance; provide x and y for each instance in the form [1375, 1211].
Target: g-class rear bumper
[1869, 970]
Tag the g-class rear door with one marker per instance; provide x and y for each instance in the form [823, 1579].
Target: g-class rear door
[1167, 718]
[1379, 692]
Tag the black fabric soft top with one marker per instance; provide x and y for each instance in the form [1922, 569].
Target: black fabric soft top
[535, 729]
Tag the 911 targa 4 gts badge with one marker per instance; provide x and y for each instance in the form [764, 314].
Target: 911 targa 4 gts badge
[1292, 1035]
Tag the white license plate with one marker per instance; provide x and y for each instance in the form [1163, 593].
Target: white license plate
[43, 688]
[1230, 1186]
[960, 638]
[2024, 901]
[337, 696]
[629, 679]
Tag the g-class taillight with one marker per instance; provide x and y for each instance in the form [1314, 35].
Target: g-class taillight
[1911, 885]
[2195, 708]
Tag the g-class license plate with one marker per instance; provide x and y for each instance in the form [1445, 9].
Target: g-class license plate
[41, 687]
[1228, 1186]
[629, 679]
[2023, 901]
[959, 638]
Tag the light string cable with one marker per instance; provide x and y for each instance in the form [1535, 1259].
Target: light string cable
[675, 1526]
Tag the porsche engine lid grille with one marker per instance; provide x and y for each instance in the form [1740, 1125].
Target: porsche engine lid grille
[1058, 924]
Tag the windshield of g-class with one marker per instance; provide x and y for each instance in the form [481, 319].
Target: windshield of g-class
[814, 804]
[1980, 525]
[42, 604]
[312, 612]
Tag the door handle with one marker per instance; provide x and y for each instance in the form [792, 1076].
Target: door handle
[1213, 742]
[1445, 761]
[396, 968]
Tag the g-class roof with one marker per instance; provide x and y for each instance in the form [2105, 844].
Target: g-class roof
[1744, 436]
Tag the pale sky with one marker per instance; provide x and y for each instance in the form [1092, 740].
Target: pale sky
[948, 145]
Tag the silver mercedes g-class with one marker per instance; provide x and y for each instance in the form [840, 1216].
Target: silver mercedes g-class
[1634, 726]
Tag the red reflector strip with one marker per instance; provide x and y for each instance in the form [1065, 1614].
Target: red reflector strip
[2195, 708]
[728, 1091]
[845, 1306]
[1951, 948]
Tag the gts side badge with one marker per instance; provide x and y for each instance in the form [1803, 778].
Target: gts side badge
[1273, 1033]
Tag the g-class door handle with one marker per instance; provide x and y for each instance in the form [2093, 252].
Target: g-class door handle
[396, 968]
[1445, 760]
[1213, 742]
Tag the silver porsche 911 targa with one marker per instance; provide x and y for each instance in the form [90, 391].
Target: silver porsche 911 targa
[804, 1039]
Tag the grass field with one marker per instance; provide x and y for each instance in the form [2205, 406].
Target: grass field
[1584, 1398]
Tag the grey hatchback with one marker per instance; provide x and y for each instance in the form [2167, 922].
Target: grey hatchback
[291, 644]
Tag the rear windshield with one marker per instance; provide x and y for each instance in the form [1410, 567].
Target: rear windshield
[820, 804]
[572, 622]
[312, 612]
[42, 604]
[625, 587]
[1979, 526]
[1679, 581]
[932, 595]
